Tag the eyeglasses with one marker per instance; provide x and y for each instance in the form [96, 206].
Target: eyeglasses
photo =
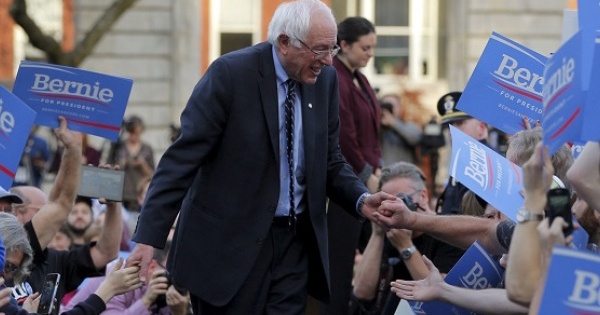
[22, 209]
[320, 54]
[10, 268]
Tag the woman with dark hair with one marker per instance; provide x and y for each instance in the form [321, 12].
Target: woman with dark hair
[360, 117]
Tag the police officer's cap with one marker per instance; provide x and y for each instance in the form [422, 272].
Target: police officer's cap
[446, 107]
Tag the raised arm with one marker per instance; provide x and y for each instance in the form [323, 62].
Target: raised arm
[367, 275]
[584, 174]
[524, 265]
[107, 247]
[62, 195]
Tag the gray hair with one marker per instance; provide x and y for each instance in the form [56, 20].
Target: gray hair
[15, 238]
[292, 18]
[403, 170]
[523, 144]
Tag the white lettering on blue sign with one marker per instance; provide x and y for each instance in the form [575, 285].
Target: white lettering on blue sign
[43, 83]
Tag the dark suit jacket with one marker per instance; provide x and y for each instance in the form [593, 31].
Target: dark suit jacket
[360, 118]
[223, 173]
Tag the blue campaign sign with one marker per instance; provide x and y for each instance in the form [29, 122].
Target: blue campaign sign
[16, 120]
[588, 18]
[92, 102]
[572, 283]
[485, 172]
[563, 96]
[591, 128]
[405, 309]
[580, 237]
[476, 269]
[505, 86]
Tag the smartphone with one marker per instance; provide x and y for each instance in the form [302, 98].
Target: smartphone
[101, 183]
[559, 205]
[49, 294]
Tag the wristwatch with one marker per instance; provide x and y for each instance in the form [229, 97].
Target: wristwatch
[407, 253]
[524, 215]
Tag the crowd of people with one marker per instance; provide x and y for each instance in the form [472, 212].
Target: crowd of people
[289, 177]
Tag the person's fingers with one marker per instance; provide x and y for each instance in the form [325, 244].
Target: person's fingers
[399, 283]
[548, 166]
[118, 264]
[526, 122]
[543, 224]
[62, 121]
[569, 239]
[557, 225]
[403, 294]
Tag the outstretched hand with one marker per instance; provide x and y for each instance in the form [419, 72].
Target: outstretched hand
[119, 281]
[428, 289]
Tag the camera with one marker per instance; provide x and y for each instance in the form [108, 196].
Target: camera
[387, 106]
[408, 201]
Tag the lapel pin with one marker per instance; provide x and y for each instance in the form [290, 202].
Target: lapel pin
[309, 105]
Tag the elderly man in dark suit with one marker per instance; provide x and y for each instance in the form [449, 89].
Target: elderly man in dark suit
[257, 156]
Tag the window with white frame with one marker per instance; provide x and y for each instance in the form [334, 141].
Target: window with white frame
[407, 37]
[238, 25]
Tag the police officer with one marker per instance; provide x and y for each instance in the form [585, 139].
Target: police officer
[450, 200]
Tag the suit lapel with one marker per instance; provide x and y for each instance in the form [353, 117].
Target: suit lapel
[268, 93]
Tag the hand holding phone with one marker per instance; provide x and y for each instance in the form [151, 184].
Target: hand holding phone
[48, 298]
[559, 205]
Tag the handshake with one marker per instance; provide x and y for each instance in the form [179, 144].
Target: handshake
[389, 211]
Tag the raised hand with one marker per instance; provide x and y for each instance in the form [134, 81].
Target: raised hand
[66, 136]
[178, 304]
[537, 177]
[32, 303]
[157, 285]
[119, 281]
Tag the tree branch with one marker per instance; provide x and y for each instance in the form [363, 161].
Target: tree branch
[52, 49]
[102, 25]
[18, 11]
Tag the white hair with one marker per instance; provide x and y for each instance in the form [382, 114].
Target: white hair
[292, 18]
[15, 238]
